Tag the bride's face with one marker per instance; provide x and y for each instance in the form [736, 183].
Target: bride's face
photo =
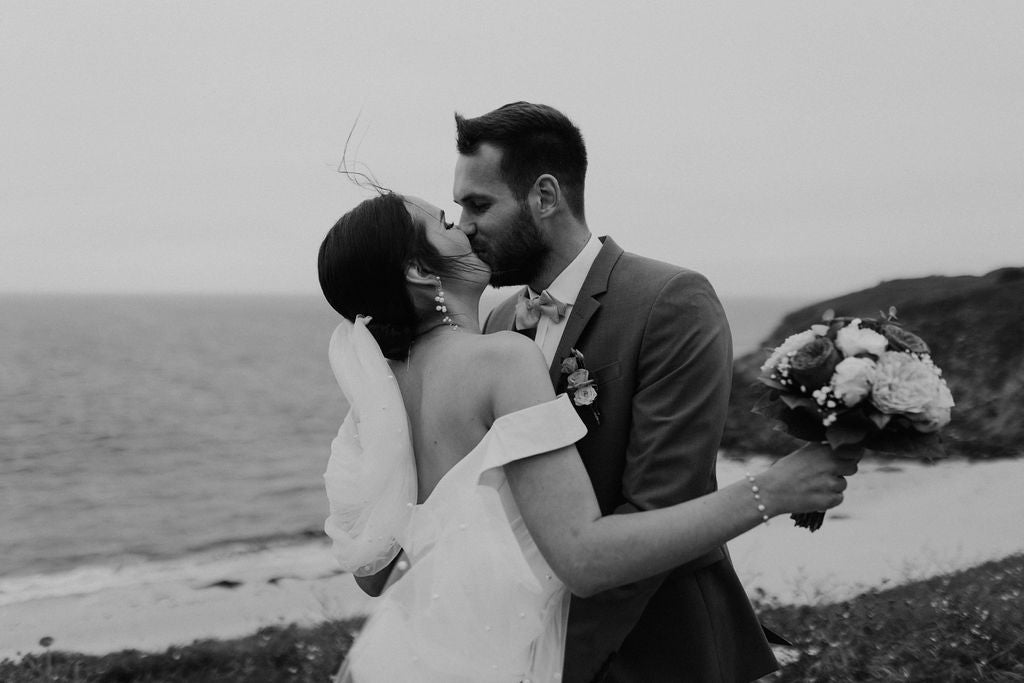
[446, 238]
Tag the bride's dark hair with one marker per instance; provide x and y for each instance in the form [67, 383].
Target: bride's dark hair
[362, 265]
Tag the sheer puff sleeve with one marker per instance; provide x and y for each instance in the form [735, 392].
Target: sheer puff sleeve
[371, 474]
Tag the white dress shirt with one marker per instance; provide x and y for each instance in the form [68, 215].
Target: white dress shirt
[566, 287]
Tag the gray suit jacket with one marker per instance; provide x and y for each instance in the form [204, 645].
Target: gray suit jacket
[656, 340]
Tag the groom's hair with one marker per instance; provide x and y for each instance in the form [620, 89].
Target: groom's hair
[534, 139]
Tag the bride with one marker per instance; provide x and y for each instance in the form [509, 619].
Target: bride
[457, 452]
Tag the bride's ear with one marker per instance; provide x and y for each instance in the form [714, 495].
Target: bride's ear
[415, 275]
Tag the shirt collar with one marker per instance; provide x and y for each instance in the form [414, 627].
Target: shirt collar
[566, 287]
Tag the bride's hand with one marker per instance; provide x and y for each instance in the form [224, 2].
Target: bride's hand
[810, 478]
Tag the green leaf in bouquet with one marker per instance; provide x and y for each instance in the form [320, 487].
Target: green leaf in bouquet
[879, 419]
[839, 434]
[768, 404]
[903, 340]
[798, 402]
[796, 423]
[801, 425]
[768, 381]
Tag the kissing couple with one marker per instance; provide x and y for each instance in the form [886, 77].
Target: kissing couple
[535, 498]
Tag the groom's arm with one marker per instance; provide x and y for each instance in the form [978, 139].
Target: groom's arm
[681, 398]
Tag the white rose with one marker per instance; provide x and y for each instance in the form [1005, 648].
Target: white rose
[792, 344]
[853, 339]
[931, 420]
[935, 415]
[906, 385]
[852, 379]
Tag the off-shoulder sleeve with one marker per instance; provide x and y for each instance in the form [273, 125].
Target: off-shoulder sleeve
[538, 429]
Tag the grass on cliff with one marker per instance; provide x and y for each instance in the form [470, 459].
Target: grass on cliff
[967, 626]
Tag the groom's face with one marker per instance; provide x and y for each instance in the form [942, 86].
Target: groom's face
[500, 227]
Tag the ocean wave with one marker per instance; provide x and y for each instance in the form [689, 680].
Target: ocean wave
[225, 563]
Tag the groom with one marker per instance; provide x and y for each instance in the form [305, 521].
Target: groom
[655, 339]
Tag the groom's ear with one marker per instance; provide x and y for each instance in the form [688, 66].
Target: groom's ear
[545, 195]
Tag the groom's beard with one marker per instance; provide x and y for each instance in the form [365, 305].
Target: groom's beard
[515, 255]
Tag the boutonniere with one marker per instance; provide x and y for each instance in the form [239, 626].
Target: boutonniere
[579, 385]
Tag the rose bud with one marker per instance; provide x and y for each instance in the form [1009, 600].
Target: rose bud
[570, 365]
[585, 395]
[812, 366]
[578, 378]
[854, 340]
[902, 340]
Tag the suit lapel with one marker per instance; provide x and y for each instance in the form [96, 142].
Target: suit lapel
[586, 304]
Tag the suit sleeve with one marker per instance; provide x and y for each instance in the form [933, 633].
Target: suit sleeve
[500, 317]
[682, 397]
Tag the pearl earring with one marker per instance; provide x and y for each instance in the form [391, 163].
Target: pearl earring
[441, 308]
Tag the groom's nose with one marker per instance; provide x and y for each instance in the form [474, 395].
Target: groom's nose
[468, 228]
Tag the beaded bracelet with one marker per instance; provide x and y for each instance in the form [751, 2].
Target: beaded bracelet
[756, 490]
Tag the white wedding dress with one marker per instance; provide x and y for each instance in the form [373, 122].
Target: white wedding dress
[479, 602]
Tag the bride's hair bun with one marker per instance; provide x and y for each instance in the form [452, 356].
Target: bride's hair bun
[393, 339]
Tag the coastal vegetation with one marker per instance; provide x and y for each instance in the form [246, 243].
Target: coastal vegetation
[966, 626]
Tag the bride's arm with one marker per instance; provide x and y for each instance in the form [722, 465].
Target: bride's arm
[591, 553]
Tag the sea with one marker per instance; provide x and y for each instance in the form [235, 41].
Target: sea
[138, 430]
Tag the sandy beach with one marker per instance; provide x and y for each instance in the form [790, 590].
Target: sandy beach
[901, 521]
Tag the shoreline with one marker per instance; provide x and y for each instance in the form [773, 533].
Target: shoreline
[91, 577]
[901, 521]
[153, 607]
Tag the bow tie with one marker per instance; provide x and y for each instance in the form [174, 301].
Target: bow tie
[529, 311]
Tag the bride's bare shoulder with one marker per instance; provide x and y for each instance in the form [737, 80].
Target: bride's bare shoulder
[507, 349]
[504, 357]
[513, 370]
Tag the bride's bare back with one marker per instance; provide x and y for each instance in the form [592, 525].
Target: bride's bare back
[447, 389]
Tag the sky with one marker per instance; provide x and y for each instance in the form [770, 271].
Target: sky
[799, 149]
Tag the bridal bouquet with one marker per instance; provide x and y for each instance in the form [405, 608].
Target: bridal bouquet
[857, 382]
